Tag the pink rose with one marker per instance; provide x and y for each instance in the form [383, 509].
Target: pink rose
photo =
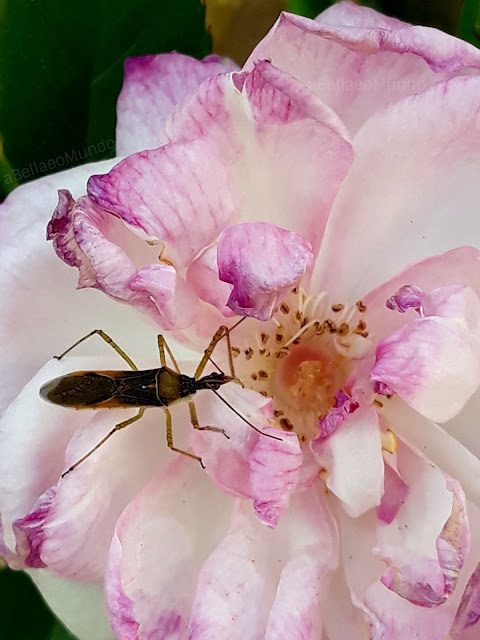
[328, 193]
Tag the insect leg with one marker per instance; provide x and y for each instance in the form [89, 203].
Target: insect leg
[209, 350]
[108, 340]
[162, 347]
[168, 417]
[120, 425]
[196, 424]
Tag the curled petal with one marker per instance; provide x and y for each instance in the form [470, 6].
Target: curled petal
[407, 297]
[152, 87]
[395, 493]
[173, 297]
[424, 561]
[262, 262]
[344, 406]
[432, 363]
[166, 195]
[202, 276]
[160, 543]
[275, 473]
[352, 459]
[368, 61]
[468, 612]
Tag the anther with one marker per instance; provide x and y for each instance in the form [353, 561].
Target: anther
[284, 308]
[337, 307]
[278, 412]
[262, 374]
[389, 441]
[298, 316]
[235, 352]
[254, 376]
[265, 352]
[330, 326]
[361, 306]
[286, 424]
[318, 328]
[249, 353]
[295, 290]
[264, 338]
[362, 325]
[343, 329]
[264, 394]
[281, 354]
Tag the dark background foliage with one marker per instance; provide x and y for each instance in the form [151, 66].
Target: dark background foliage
[60, 73]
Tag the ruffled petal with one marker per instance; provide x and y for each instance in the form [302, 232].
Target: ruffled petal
[468, 612]
[367, 61]
[35, 434]
[381, 225]
[152, 87]
[290, 567]
[436, 444]
[26, 325]
[262, 262]
[160, 543]
[433, 364]
[352, 461]
[170, 195]
[70, 526]
[458, 267]
[426, 544]
[288, 151]
[275, 473]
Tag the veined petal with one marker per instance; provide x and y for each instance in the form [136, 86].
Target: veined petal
[167, 195]
[269, 128]
[262, 262]
[160, 543]
[432, 363]
[152, 87]
[436, 137]
[367, 61]
[275, 473]
[202, 276]
[352, 460]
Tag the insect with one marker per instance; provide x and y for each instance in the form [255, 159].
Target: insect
[161, 387]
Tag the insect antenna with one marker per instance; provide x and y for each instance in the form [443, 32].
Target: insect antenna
[262, 433]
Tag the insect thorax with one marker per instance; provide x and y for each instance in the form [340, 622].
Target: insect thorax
[173, 386]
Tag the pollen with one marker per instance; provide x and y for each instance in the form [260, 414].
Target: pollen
[389, 441]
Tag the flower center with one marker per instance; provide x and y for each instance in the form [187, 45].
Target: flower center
[302, 356]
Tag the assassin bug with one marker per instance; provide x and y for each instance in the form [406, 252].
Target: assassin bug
[161, 387]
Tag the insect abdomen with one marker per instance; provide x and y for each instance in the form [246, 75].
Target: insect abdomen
[79, 389]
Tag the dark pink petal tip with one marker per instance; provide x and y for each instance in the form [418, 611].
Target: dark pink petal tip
[344, 406]
[407, 297]
[262, 261]
[468, 612]
[382, 388]
[30, 530]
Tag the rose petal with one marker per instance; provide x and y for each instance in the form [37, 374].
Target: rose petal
[152, 87]
[352, 459]
[433, 364]
[424, 556]
[468, 612]
[160, 544]
[168, 196]
[70, 527]
[414, 223]
[202, 276]
[263, 262]
[30, 338]
[395, 493]
[367, 61]
[269, 127]
[275, 473]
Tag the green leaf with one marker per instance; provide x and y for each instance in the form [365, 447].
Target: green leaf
[470, 22]
[309, 8]
[61, 71]
[58, 632]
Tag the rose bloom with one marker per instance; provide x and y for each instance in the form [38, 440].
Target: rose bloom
[328, 194]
